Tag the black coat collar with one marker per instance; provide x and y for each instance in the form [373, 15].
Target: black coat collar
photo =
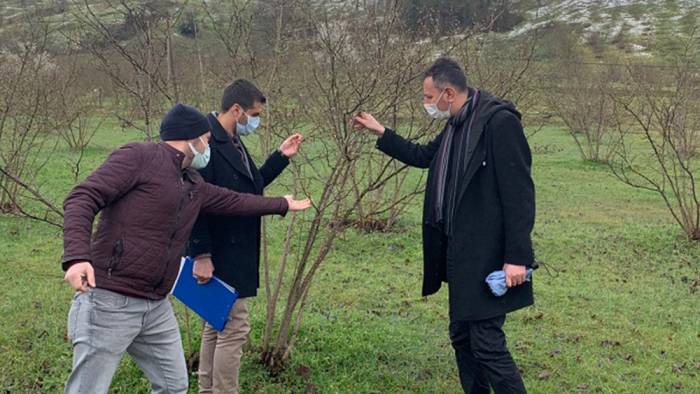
[487, 106]
[225, 146]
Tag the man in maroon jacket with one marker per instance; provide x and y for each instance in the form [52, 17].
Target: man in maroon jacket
[149, 198]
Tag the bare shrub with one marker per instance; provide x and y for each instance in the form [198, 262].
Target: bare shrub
[358, 61]
[660, 133]
[581, 99]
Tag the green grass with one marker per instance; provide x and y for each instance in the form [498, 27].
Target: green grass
[621, 316]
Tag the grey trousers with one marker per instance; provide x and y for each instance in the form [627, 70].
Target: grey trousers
[103, 325]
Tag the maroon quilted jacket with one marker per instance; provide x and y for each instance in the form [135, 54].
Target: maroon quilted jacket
[148, 206]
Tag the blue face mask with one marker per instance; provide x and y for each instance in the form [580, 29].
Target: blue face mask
[200, 160]
[248, 128]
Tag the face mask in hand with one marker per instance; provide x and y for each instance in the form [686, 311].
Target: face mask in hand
[200, 160]
[433, 111]
[248, 128]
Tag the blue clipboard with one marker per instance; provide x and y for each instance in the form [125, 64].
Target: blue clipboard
[211, 301]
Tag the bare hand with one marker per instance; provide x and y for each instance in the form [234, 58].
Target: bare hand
[515, 274]
[203, 270]
[297, 205]
[80, 276]
[291, 145]
[364, 120]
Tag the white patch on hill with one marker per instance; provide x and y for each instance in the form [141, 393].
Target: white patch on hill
[608, 17]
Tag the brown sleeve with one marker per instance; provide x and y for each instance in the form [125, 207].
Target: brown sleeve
[114, 178]
[222, 201]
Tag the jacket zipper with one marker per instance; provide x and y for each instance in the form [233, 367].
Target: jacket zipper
[172, 234]
[117, 251]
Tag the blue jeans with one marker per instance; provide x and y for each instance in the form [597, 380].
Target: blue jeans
[103, 325]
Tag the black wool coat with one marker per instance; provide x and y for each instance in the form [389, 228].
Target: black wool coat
[494, 214]
[234, 242]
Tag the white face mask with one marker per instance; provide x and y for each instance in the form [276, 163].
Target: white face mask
[200, 160]
[433, 111]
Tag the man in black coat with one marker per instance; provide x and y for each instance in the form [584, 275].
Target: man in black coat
[231, 246]
[479, 211]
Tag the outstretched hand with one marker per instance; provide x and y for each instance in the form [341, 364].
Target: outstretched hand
[364, 120]
[297, 205]
[291, 145]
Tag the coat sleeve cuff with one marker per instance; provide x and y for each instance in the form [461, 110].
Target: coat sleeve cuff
[280, 158]
[385, 139]
[283, 207]
[198, 246]
[520, 257]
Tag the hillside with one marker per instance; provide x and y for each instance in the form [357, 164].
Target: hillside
[640, 23]
[639, 20]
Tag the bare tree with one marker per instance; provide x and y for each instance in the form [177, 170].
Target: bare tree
[662, 114]
[27, 94]
[78, 113]
[508, 68]
[357, 62]
[136, 55]
[231, 22]
[581, 99]
[78, 119]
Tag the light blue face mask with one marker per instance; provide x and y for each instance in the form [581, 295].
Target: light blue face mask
[248, 128]
[200, 160]
[497, 281]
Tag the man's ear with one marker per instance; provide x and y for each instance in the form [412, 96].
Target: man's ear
[235, 110]
[450, 93]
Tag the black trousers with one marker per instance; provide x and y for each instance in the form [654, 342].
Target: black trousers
[483, 358]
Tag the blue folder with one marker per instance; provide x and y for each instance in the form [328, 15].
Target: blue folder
[211, 301]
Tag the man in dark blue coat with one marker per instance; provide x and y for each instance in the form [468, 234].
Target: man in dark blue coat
[230, 247]
[479, 211]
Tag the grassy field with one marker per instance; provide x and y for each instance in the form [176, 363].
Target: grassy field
[621, 315]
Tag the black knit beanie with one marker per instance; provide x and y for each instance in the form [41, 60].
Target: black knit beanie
[183, 122]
